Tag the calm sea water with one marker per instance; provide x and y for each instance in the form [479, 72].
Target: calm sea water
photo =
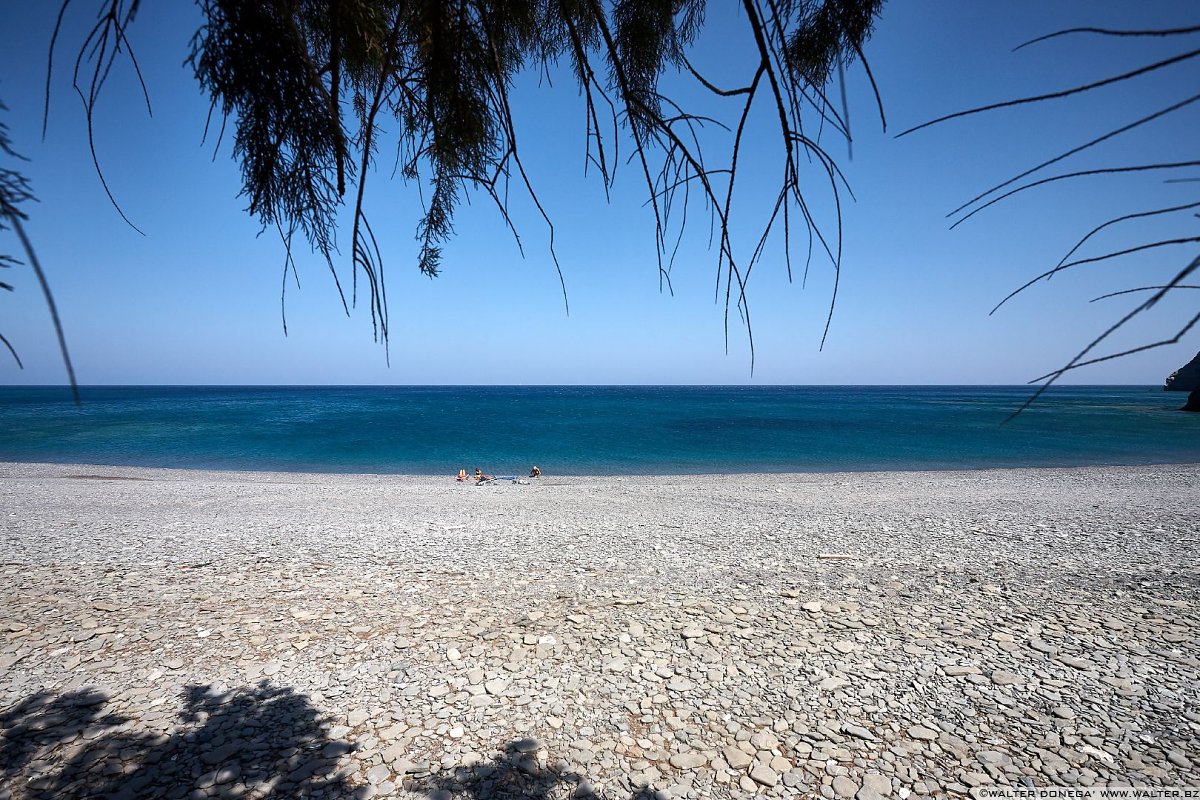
[595, 430]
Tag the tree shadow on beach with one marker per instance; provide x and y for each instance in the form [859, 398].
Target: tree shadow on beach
[262, 741]
[514, 773]
[41, 722]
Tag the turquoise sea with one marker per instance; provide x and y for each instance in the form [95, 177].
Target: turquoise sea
[594, 430]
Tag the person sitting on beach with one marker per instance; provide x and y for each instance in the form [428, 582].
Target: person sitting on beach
[535, 472]
[462, 475]
[480, 477]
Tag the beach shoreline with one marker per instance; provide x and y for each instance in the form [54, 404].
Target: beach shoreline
[105, 471]
[846, 634]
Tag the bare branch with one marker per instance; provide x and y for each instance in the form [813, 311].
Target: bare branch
[1079, 149]
[874, 87]
[1109, 32]
[1143, 289]
[4, 341]
[1115, 221]
[1106, 256]
[1078, 361]
[15, 220]
[1064, 93]
[1069, 175]
[62, 10]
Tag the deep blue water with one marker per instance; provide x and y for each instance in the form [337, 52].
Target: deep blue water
[595, 430]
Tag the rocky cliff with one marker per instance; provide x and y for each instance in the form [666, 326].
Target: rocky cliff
[1186, 378]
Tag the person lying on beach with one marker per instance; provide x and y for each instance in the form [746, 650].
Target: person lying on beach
[462, 475]
[535, 472]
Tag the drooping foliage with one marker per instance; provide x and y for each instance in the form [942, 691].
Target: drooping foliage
[1184, 60]
[15, 192]
[15, 195]
[316, 90]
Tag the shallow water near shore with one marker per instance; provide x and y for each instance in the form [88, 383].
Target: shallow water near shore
[596, 430]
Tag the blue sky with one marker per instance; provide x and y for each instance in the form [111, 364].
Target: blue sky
[196, 300]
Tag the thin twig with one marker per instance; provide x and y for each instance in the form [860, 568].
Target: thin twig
[1115, 221]
[12, 350]
[1070, 175]
[1075, 150]
[15, 221]
[1110, 32]
[1143, 289]
[1056, 95]
[1105, 257]
[1078, 361]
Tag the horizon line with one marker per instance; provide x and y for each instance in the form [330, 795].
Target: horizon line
[1031, 386]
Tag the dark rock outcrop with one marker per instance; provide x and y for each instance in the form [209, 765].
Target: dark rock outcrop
[1186, 378]
[1193, 401]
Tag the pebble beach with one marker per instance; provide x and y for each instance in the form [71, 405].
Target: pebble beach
[191, 634]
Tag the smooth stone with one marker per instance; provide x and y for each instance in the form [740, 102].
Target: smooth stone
[993, 757]
[221, 754]
[736, 758]
[336, 749]
[843, 786]
[975, 779]
[922, 733]
[764, 775]
[859, 732]
[1077, 663]
[527, 745]
[688, 760]
[764, 741]
[877, 783]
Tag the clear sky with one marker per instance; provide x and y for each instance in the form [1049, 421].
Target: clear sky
[196, 300]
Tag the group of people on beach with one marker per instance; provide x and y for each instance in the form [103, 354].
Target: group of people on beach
[481, 477]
